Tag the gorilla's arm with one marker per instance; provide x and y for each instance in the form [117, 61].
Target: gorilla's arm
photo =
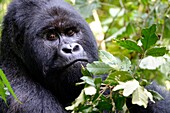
[34, 98]
[162, 106]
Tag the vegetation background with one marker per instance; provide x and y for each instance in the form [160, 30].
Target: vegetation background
[122, 27]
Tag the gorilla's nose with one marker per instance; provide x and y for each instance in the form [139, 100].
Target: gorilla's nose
[71, 49]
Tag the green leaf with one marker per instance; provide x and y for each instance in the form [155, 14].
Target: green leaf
[128, 87]
[98, 68]
[85, 72]
[116, 76]
[130, 45]
[139, 97]
[164, 68]
[85, 109]
[104, 104]
[7, 84]
[158, 51]
[110, 81]
[126, 65]
[88, 80]
[149, 37]
[156, 95]
[109, 59]
[145, 2]
[115, 62]
[119, 101]
[166, 33]
[98, 82]
[150, 96]
[151, 62]
[2, 91]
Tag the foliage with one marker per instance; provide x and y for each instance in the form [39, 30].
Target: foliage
[125, 19]
[140, 52]
[5, 87]
[3, 7]
[125, 79]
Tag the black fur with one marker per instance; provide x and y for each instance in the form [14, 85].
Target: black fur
[43, 72]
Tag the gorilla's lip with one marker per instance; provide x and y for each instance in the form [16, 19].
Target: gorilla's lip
[70, 62]
[75, 61]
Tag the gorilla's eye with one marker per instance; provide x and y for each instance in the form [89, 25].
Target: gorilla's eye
[70, 32]
[51, 36]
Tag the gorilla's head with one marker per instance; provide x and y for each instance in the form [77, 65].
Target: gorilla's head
[51, 40]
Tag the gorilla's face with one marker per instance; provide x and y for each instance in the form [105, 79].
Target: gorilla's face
[56, 43]
[57, 47]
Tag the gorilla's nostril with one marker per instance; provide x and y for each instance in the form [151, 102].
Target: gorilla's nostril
[71, 48]
[76, 48]
[66, 50]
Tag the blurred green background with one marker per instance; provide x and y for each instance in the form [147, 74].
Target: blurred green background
[3, 8]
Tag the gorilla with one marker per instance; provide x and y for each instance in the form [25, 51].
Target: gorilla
[44, 45]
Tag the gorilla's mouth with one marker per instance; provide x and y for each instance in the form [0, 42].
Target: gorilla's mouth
[72, 62]
[76, 63]
[66, 63]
